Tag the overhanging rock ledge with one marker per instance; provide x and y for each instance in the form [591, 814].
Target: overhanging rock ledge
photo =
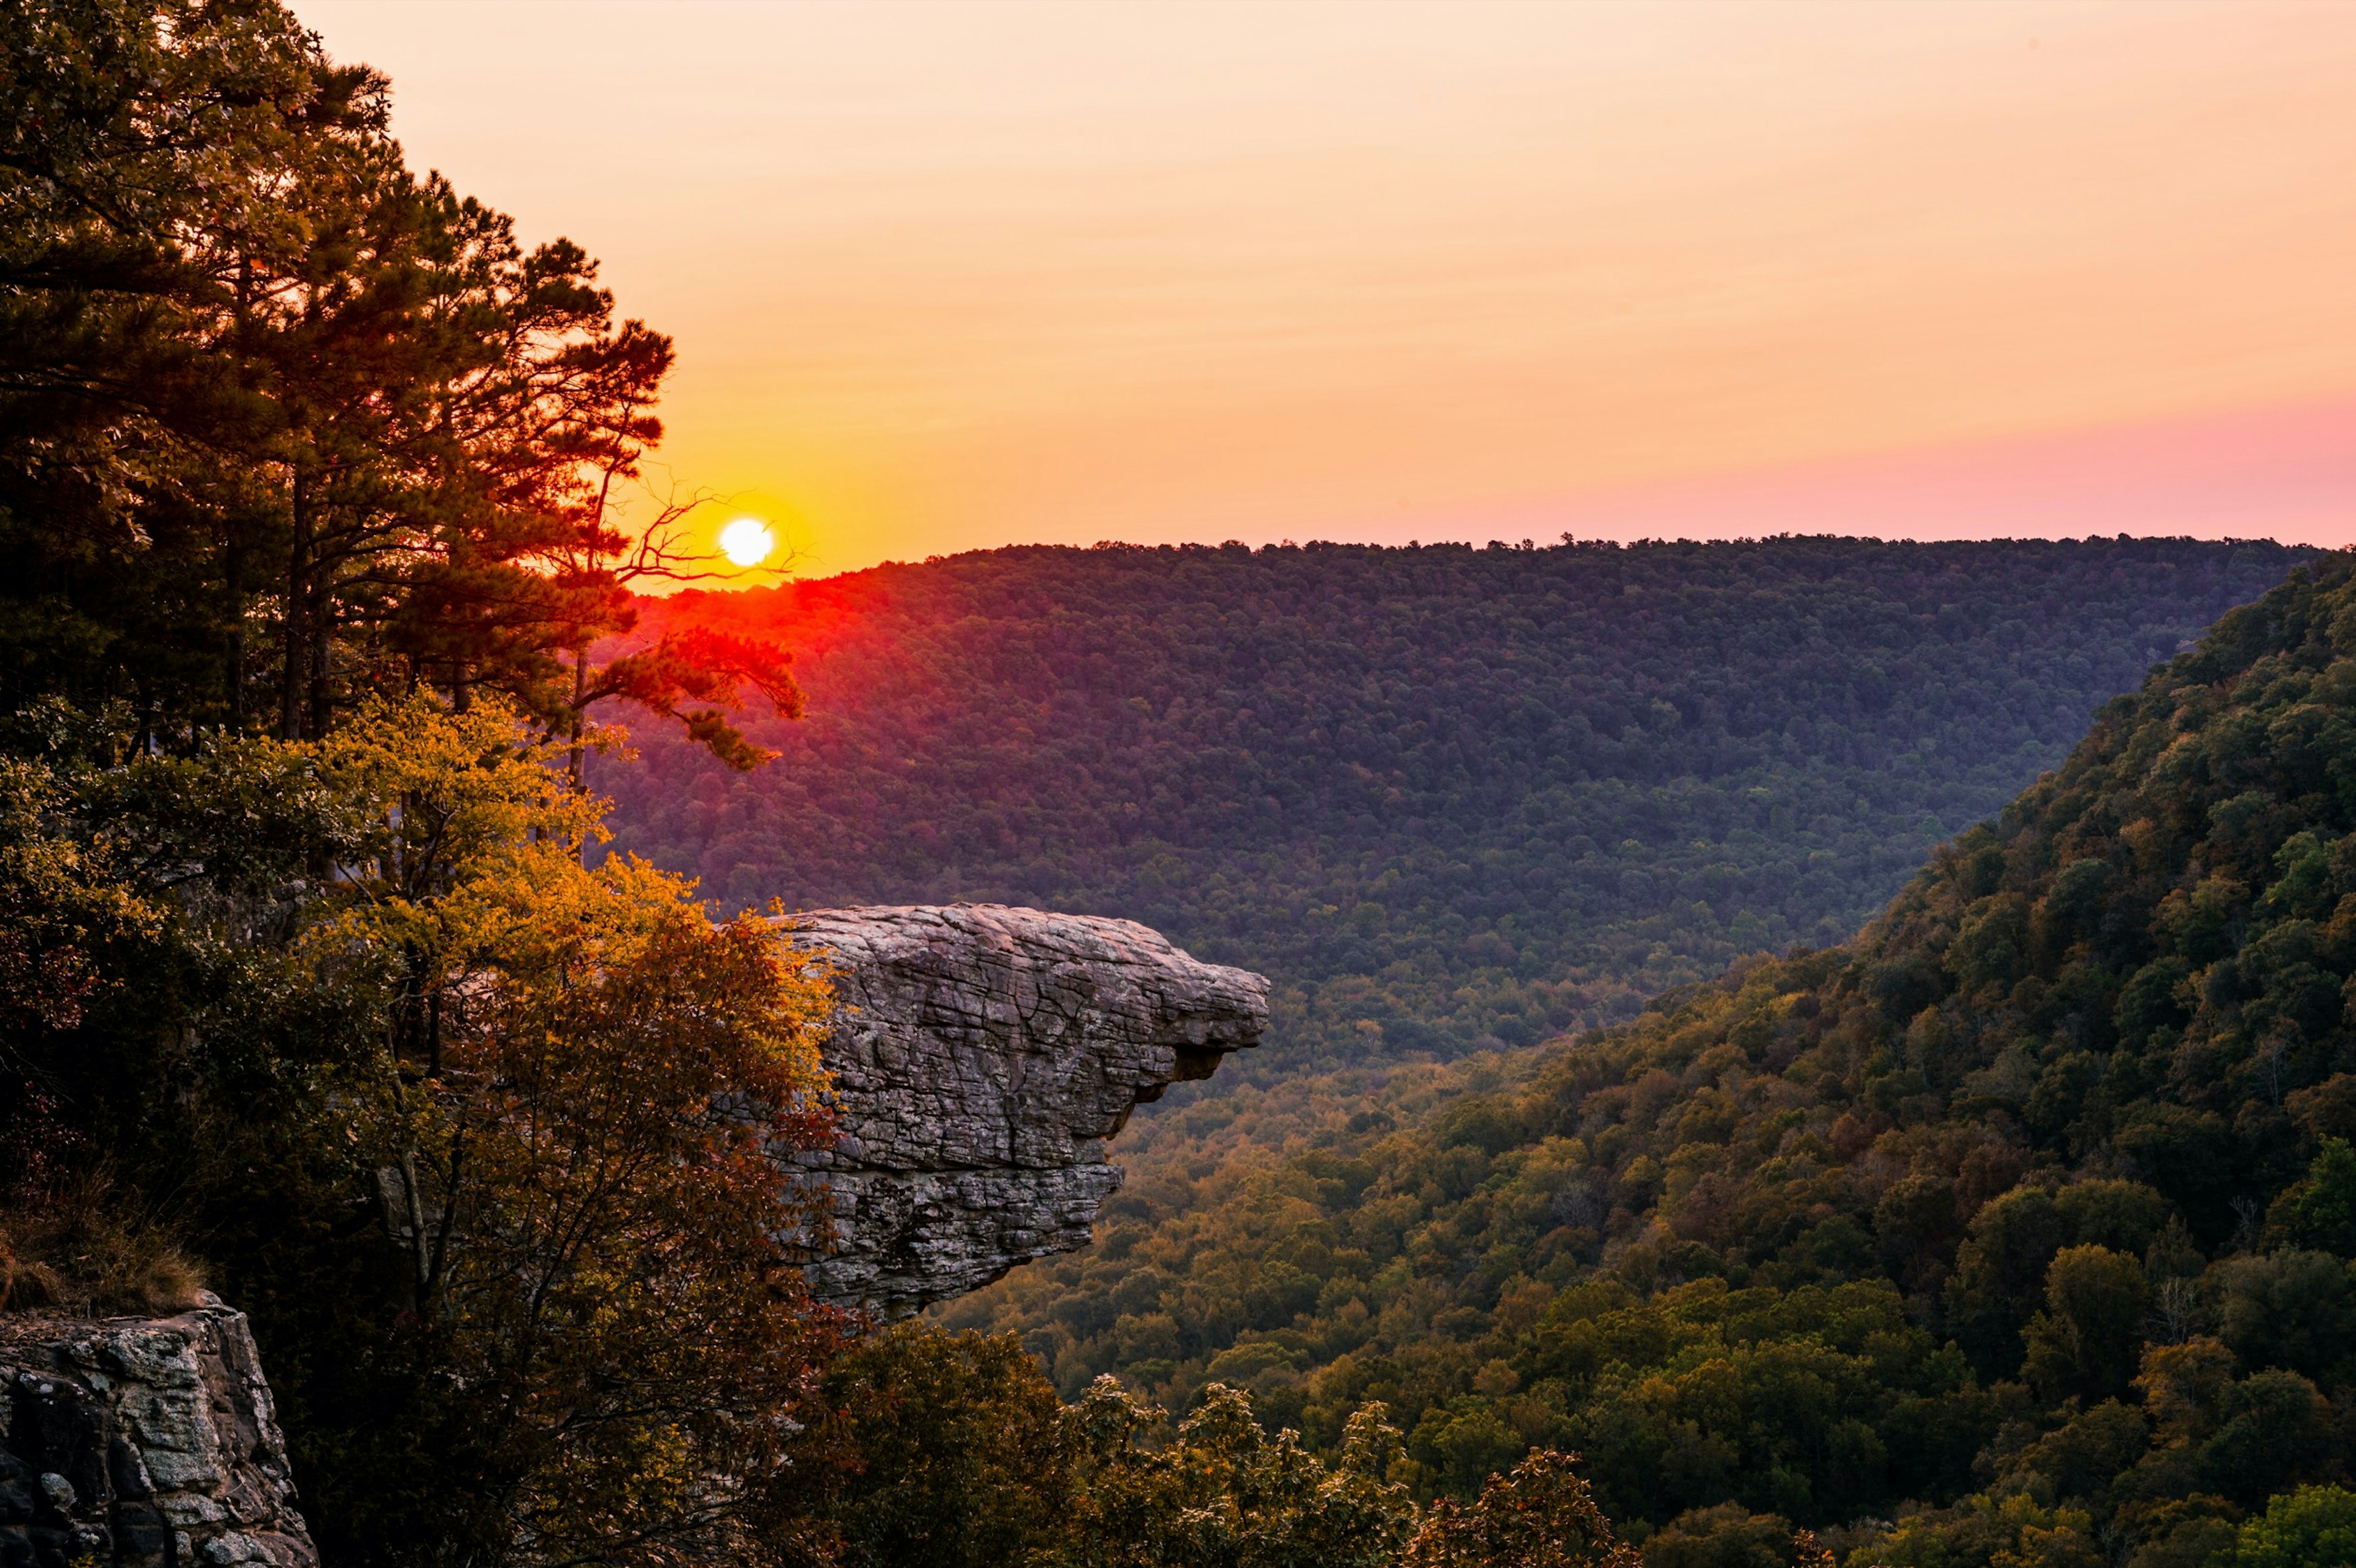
[982, 1056]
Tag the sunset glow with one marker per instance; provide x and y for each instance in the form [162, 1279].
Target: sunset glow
[954, 276]
[747, 541]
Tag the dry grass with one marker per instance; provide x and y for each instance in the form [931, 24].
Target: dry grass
[72, 1251]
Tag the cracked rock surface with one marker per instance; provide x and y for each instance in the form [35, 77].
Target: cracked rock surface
[982, 1056]
[145, 1443]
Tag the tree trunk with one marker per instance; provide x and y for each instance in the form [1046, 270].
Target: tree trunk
[298, 599]
[575, 717]
[322, 626]
[233, 569]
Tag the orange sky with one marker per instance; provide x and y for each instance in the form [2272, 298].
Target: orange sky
[966, 274]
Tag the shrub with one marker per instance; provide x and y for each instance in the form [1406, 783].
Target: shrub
[2314, 1527]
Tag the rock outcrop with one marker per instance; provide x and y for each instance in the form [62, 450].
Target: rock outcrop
[143, 1442]
[981, 1058]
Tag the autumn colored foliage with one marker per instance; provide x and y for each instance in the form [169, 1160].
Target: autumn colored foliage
[487, 1143]
[2018, 1231]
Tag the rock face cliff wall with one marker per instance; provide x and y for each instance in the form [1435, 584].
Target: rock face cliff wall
[981, 1057]
[143, 1442]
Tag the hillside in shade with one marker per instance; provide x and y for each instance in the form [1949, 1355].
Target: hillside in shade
[1445, 798]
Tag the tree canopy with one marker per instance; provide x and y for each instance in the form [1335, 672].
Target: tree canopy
[2015, 1223]
[1443, 798]
[2020, 1229]
[284, 424]
[489, 1145]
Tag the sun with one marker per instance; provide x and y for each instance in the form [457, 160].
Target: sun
[747, 541]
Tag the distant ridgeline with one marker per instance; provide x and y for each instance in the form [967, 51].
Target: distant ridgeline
[1441, 796]
[2034, 1204]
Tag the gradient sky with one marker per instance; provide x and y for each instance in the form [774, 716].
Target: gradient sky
[946, 276]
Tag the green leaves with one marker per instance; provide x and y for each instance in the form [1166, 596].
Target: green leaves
[286, 425]
[2314, 1527]
[491, 1144]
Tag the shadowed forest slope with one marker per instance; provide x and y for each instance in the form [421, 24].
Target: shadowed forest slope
[2016, 1230]
[1445, 798]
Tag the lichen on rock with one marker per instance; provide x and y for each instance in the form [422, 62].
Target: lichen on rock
[981, 1057]
[143, 1442]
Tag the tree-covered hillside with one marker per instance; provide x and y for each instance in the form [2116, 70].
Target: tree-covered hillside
[2017, 1231]
[1442, 796]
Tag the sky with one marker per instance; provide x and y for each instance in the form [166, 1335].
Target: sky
[950, 276]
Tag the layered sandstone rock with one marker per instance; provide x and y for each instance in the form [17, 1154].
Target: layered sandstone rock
[981, 1058]
[144, 1443]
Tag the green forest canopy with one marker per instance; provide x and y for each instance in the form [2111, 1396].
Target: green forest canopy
[2022, 1223]
[1443, 798]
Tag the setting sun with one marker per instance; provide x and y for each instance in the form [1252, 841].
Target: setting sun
[747, 541]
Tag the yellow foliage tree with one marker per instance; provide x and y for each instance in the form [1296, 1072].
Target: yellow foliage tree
[577, 1119]
[1541, 1516]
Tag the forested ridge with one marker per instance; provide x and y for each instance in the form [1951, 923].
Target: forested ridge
[2015, 1230]
[1442, 796]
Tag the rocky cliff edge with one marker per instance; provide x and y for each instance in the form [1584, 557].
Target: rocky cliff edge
[144, 1442]
[981, 1057]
